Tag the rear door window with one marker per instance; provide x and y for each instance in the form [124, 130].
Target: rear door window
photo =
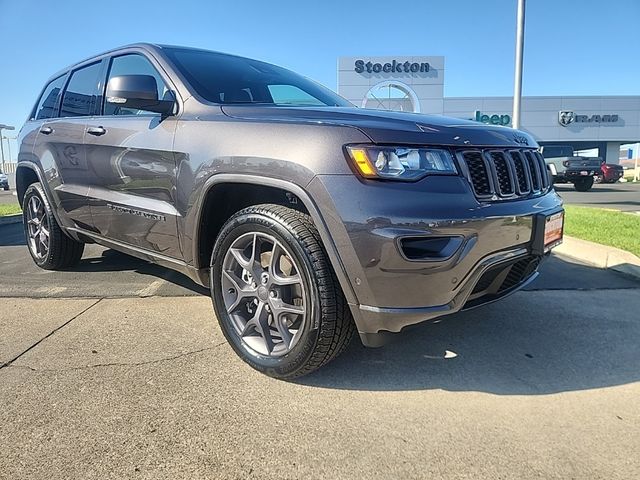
[49, 100]
[80, 96]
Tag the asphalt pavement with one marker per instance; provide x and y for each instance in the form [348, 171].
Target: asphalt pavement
[617, 196]
[117, 369]
[7, 196]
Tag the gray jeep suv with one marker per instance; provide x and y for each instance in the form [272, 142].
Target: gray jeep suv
[307, 218]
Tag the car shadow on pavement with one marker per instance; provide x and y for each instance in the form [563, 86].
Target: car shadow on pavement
[533, 343]
[114, 261]
[107, 260]
[12, 235]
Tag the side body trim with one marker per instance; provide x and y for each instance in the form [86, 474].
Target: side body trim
[138, 252]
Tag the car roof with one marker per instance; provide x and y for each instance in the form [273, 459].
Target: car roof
[151, 47]
[142, 45]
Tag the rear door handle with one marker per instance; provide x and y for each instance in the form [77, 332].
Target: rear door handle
[46, 130]
[97, 131]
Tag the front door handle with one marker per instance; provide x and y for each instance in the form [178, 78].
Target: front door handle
[46, 130]
[97, 131]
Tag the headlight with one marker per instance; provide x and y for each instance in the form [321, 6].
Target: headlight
[401, 163]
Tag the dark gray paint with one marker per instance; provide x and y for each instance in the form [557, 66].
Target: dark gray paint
[165, 165]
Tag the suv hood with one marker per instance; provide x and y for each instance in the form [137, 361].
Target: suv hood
[383, 126]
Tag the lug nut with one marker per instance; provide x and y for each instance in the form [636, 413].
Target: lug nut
[272, 294]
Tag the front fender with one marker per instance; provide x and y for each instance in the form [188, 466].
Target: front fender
[303, 196]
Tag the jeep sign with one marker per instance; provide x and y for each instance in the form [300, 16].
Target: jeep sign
[566, 117]
[494, 119]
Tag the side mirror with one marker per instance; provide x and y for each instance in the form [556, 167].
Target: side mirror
[139, 92]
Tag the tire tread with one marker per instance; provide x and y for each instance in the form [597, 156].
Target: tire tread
[64, 251]
[337, 327]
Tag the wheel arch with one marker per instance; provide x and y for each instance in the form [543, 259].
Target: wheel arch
[297, 197]
[29, 172]
[26, 174]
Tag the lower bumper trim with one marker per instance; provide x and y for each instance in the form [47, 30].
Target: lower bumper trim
[392, 320]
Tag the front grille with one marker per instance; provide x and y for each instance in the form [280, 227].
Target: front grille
[505, 174]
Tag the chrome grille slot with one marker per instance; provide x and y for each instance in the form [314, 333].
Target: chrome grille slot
[522, 173]
[478, 172]
[544, 171]
[534, 168]
[503, 173]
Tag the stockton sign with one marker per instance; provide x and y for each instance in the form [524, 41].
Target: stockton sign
[567, 117]
[360, 66]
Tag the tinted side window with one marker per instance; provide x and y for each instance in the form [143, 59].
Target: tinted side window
[132, 65]
[81, 93]
[48, 104]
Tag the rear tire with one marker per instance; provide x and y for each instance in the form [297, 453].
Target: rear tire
[583, 184]
[284, 324]
[49, 246]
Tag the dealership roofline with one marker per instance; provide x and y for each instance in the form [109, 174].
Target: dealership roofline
[543, 96]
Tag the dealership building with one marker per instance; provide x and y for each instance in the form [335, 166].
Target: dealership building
[601, 124]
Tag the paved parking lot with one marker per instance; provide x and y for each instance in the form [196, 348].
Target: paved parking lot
[7, 196]
[117, 369]
[618, 196]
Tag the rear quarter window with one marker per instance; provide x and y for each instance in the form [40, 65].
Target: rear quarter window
[49, 102]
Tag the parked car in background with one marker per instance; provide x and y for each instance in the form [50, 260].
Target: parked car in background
[566, 167]
[611, 172]
[4, 181]
[307, 218]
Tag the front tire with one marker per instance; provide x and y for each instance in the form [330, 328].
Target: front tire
[583, 184]
[275, 294]
[49, 246]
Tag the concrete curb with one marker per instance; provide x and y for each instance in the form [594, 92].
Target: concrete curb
[9, 219]
[601, 256]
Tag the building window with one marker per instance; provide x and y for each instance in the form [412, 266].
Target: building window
[392, 95]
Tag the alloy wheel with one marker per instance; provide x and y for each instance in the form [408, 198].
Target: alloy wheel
[264, 294]
[38, 227]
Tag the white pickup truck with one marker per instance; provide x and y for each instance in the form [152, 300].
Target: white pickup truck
[566, 167]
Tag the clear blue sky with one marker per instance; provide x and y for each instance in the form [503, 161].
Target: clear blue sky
[572, 47]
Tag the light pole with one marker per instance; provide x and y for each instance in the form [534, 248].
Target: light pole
[4, 127]
[517, 87]
[8, 139]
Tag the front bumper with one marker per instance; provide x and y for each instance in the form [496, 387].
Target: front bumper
[366, 219]
[572, 174]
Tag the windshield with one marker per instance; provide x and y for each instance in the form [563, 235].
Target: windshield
[555, 151]
[221, 78]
